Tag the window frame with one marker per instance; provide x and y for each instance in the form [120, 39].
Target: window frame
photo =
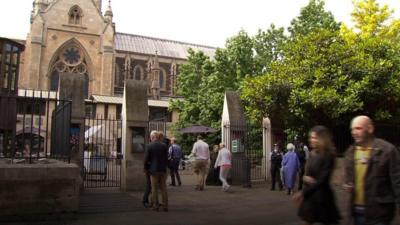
[75, 15]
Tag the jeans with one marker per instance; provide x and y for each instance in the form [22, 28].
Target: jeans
[174, 171]
[223, 175]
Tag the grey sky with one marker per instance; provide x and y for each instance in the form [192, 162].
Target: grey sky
[208, 22]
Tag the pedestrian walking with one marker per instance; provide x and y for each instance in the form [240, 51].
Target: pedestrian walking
[224, 162]
[372, 176]
[276, 164]
[201, 153]
[156, 160]
[147, 189]
[290, 165]
[301, 154]
[174, 158]
[316, 200]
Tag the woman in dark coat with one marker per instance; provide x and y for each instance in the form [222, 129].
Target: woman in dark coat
[316, 200]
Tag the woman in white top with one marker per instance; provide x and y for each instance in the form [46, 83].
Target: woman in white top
[224, 162]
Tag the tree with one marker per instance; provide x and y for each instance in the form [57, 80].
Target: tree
[328, 76]
[312, 17]
[268, 47]
[203, 81]
[373, 20]
[375, 65]
[192, 74]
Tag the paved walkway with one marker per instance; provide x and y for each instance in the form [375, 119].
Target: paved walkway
[241, 206]
[211, 206]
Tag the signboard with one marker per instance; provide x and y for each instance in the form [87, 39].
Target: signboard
[235, 145]
[138, 139]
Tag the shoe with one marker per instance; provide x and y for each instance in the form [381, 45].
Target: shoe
[197, 188]
[165, 209]
[180, 184]
[146, 205]
[272, 189]
[172, 185]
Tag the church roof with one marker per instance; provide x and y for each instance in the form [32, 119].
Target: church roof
[149, 46]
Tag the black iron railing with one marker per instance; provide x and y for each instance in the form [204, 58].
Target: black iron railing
[28, 127]
[248, 161]
[102, 152]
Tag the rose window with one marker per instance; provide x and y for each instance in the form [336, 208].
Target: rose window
[71, 56]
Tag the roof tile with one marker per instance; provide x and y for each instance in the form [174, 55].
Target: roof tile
[149, 45]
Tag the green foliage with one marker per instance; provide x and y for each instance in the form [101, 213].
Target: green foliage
[326, 75]
[322, 73]
[313, 17]
[268, 47]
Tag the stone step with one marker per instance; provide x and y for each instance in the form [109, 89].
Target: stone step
[108, 202]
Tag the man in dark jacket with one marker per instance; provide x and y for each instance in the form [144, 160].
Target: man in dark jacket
[301, 154]
[276, 163]
[372, 176]
[155, 163]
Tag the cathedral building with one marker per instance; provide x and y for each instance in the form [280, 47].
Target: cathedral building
[76, 36]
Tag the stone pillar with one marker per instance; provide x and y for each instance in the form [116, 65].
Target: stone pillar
[72, 87]
[107, 71]
[173, 78]
[234, 131]
[135, 122]
[267, 145]
[155, 82]
[35, 53]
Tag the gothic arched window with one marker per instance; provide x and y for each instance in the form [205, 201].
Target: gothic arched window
[163, 79]
[138, 72]
[69, 60]
[75, 15]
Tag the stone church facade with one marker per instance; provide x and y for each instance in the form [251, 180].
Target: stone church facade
[75, 36]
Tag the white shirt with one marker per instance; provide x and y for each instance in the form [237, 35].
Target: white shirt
[224, 158]
[200, 150]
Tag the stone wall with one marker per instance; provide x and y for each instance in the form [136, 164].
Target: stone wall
[35, 191]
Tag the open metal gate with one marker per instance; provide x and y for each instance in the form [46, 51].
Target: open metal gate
[102, 153]
[248, 158]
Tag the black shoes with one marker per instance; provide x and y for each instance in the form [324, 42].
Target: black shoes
[146, 205]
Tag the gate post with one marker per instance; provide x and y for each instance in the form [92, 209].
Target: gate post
[267, 145]
[135, 122]
[71, 87]
[233, 130]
